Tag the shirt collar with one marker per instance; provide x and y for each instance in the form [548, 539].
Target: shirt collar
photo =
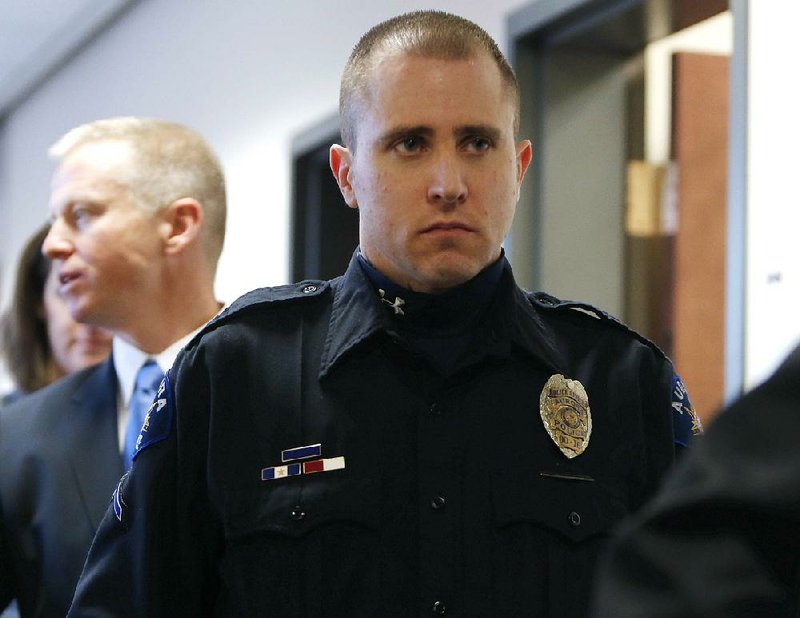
[528, 329]
[357, 315]
[128, 359]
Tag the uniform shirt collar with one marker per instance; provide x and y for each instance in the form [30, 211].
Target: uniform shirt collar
[527, 328]
[357, 315]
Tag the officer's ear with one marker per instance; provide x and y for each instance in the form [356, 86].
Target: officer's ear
[524, 156]
[181, 222]
[341, 165]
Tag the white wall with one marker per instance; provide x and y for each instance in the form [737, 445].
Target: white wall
[773, 205]
[247, 74]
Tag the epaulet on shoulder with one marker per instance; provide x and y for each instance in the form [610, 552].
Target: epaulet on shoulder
[261, 297]
[274, 295]
[551, 303]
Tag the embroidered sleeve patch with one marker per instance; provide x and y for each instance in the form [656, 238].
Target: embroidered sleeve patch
[158, 420]
[118, 502]
[685, 421]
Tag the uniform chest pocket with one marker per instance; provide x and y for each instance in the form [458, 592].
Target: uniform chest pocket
[296, 507]
[549, 532]
[305, 544]
[575, 507]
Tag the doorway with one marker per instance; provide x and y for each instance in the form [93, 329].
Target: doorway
[324, 231]
[597, 217]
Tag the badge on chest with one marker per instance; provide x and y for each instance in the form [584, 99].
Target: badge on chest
[564, 408]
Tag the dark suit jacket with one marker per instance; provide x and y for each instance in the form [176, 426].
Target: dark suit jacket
[59, 464]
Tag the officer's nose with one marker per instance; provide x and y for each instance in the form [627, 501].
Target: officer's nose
[57, 245]
[447, 186]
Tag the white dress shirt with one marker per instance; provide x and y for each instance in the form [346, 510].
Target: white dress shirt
[128, 359]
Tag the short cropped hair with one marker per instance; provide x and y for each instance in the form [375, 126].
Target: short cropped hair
[24, 342]
[168, 161]
[430, 34]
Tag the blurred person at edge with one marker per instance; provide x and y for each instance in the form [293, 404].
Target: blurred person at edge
[40, 341]
[137, 210]
[721, 538]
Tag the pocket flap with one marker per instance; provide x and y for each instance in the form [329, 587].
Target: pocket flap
[575, 506]
[293, 507]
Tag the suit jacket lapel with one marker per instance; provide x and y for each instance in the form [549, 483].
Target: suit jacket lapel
[92, 430]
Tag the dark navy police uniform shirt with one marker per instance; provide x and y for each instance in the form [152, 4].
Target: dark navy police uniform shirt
[307, 457]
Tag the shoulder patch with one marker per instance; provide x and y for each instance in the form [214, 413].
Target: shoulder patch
[118, 501]
[158, 420]
[685, 422]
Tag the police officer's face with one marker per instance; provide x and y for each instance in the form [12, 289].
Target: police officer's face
[104, 247]
[435, 173]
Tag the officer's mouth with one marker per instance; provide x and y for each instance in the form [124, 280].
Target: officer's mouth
[449, 227]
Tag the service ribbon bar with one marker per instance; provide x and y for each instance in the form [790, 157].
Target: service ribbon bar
[323, 465]
[301, 452]
[280, 472]
[307, 467]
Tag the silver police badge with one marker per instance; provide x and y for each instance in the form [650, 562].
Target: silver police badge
[564, 407]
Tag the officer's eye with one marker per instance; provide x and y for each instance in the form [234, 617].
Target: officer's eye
[410, 144]
[478, 144]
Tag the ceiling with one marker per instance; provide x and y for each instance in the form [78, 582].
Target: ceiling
[38, 36]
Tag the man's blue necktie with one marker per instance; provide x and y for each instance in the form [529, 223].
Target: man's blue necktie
[144, 391]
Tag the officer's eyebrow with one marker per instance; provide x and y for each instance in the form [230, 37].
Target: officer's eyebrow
[397, 133]
[489, 132]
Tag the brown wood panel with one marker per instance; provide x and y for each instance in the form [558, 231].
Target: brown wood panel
[700, 151]
[648, 255]
[689, 12]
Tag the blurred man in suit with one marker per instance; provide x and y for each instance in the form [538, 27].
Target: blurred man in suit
[138, 221]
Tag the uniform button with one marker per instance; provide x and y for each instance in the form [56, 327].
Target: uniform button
[438, 502]
[574, 519]
[309, 288]
[297, 513]
[439, 608]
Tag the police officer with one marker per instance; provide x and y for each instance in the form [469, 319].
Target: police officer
[417, 436]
